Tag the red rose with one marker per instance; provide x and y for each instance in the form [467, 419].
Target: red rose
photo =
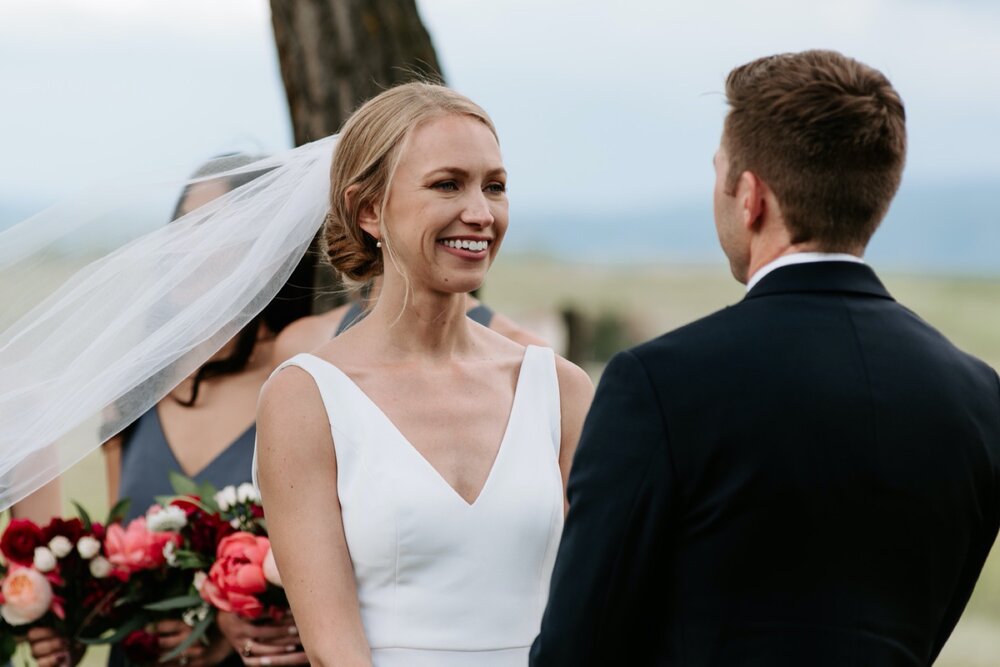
[205, 531]
[71, 529]
[141, 647]
[19, 541]
[237, 576]
[97, 530]
[257, 511]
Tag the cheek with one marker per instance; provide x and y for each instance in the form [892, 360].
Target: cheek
[501, 217]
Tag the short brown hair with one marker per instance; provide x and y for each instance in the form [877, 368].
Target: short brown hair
[828, 136]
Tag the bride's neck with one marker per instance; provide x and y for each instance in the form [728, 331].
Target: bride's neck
[421, 322]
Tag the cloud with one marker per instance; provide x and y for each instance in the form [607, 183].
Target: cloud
[606, 105]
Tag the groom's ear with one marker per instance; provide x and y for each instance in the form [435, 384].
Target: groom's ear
[752, 194]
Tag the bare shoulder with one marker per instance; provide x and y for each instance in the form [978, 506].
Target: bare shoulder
[574, 383]
[308, 333]
[290, 403]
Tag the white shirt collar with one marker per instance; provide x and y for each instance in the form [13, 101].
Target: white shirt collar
[801, 258]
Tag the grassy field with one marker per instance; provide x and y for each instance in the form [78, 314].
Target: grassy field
[653, 299]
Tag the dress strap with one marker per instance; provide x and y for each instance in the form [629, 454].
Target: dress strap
[540, 362]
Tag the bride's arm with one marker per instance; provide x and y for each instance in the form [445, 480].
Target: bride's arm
[576, 391]
[297, 474]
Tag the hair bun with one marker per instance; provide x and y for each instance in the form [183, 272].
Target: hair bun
[356, 259]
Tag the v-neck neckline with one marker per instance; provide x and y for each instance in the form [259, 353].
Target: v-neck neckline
[211, 462]
[409, 445]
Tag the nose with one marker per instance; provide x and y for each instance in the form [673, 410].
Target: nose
[477, 210]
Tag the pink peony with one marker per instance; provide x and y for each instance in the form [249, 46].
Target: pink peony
[137, 548]
[237, 576]
[27, 595]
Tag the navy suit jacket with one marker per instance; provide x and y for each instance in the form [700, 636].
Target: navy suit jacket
[809, 477]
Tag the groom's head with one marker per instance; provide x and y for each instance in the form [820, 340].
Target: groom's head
[813, 145]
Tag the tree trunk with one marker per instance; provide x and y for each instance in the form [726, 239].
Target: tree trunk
[335, 54]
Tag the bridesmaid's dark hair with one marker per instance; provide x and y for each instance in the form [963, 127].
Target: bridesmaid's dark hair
[294, 299]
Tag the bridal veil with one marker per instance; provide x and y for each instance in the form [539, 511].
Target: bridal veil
[110, 341]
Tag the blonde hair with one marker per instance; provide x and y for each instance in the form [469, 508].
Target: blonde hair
[366, 156]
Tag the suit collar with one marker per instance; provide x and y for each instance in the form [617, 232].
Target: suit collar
[821, 277]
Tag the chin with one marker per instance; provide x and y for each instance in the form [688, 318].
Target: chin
[463, 286]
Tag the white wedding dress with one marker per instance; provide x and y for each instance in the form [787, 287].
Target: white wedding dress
[442, 582]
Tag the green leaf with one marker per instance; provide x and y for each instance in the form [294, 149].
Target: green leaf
[196, 633]
[182, 485]
[209, 505]
[180, 602]
[84, 517]
[191, 562]
[123, 631]
[207, 492]
[118, 512]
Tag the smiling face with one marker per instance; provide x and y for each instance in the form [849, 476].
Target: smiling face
[446, 212]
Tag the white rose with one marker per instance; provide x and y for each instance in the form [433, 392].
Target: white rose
[169, 518]
[60, 546]
[100, 567]
[246, 493]
[45, 560]
[88, 547]
[199, 580]
[170, 554]
[226, 498]
[235, 523]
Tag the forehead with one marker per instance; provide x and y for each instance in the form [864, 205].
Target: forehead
[451, 141]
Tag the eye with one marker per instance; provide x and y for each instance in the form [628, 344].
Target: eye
[496, 188]
[446, 186]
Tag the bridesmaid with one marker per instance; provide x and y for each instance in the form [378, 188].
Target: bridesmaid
[205, 430]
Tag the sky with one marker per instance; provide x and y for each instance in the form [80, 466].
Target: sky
[602, 107]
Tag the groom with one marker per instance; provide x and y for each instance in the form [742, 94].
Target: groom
[811, 476]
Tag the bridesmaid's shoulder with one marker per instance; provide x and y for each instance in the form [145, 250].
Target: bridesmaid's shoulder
[308, 333]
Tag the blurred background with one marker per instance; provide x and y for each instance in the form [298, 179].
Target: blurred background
[608, 114]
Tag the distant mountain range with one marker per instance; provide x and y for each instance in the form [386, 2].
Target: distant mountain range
[952, 229]
[940, 228]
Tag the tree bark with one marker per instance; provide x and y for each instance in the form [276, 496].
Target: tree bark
[335, 54]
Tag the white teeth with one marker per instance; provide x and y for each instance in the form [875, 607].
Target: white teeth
[465, 244]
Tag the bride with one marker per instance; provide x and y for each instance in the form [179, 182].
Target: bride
[413, 469]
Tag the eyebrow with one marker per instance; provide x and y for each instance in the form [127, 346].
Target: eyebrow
[458, 171]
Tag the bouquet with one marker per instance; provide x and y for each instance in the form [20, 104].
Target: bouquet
[199, 551]
[58, 576]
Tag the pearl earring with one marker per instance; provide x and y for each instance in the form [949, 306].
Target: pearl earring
[378, 244]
